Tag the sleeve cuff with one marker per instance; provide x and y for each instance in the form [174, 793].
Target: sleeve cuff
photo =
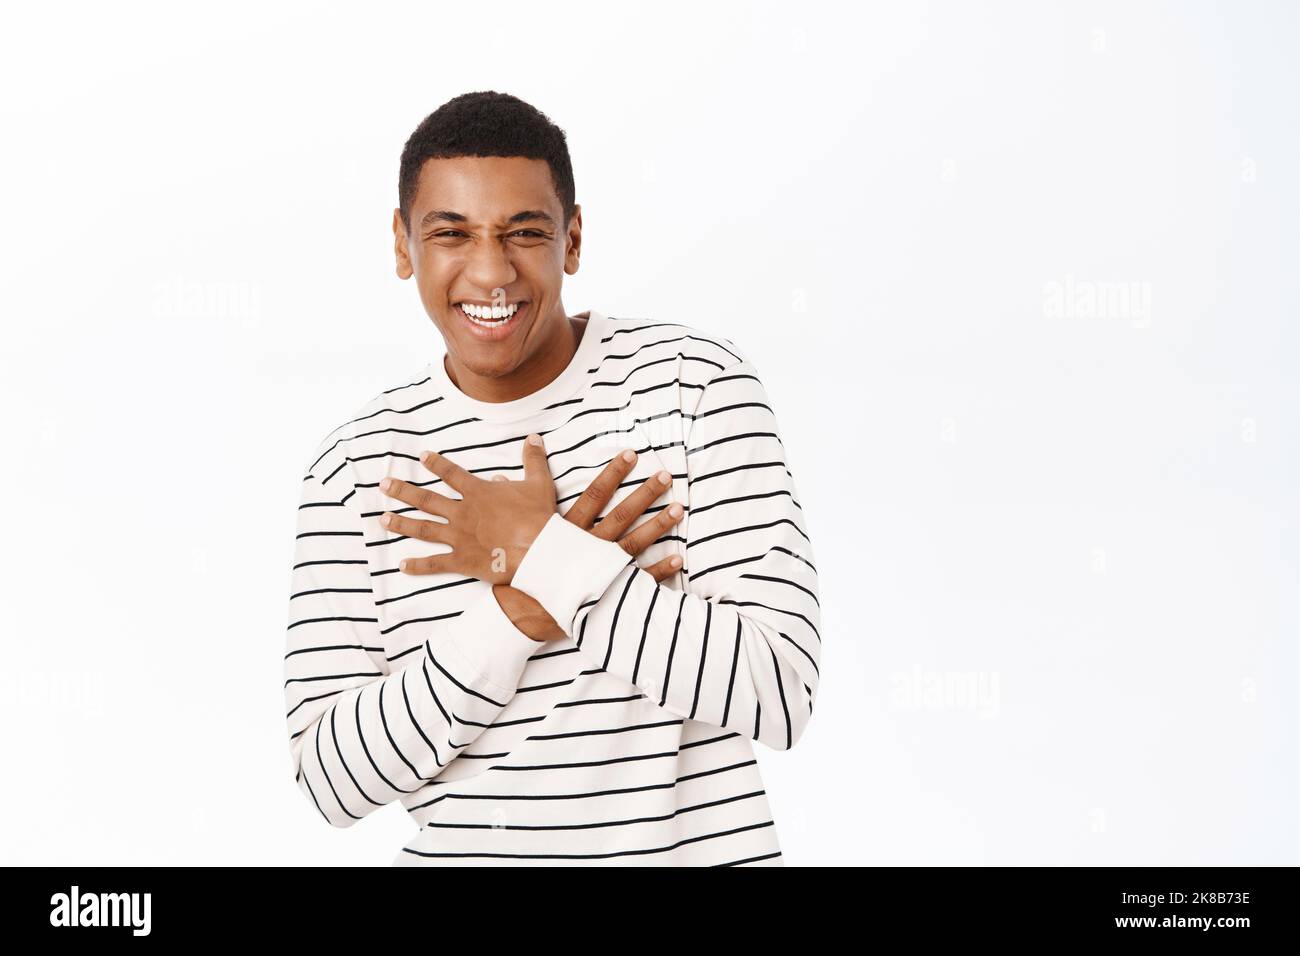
[566, 566]
[488, 642]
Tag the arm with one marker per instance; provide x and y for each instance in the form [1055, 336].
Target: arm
[361, 733]
[739, 649]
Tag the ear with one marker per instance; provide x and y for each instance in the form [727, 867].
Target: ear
[404, 268]
[574, 241]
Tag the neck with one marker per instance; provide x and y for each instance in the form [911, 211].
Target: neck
[534, 373]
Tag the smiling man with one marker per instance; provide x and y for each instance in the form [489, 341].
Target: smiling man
[478, 627]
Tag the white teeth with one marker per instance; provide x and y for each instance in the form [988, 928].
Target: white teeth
[489, 315]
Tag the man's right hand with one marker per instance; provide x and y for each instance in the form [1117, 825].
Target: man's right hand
[526, 613]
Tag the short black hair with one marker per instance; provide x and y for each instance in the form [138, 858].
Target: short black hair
[485, 123]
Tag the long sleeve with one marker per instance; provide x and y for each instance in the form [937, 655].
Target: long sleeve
[361, 734]
[740, 647]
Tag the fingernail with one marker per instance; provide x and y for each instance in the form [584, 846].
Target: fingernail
[401, 565]
[675, 510]
[384, 519]
[629, 456]
[675, 561]
[665, 478]
[534, 439]
[386, 484]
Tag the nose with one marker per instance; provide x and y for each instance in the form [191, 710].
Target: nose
[489, 266]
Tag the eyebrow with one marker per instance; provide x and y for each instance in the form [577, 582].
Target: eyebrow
[446, 215]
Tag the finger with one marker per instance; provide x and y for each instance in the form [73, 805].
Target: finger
[500, 478]
[666, 568]
[648, 532]
[430, 564]
[589, 504]
[450, 472]
[536, 467]
[427, 501]
[621, 516]
[434, 531]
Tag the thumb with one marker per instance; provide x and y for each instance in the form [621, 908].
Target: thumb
[500, 478]
[536, 467]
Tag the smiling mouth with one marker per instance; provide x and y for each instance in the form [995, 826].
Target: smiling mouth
[489, 316]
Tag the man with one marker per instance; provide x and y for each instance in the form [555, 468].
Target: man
[477, 627]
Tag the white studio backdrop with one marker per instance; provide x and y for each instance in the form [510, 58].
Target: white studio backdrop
[1021, 279]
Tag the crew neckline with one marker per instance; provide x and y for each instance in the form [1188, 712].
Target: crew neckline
[559, 388]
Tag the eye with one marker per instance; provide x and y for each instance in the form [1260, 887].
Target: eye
[448, 234]
[529, 234]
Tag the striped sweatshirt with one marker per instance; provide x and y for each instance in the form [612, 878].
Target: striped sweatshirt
[630, 740]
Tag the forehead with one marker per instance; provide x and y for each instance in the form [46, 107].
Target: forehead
[485, 187]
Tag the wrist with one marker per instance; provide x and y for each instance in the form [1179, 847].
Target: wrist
[567, 567]
[526, 614]
[529, 533]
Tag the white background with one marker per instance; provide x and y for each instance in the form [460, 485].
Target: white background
[1087, 517]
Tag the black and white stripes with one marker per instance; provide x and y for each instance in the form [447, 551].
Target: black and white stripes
[362, 731]
[628, 742]
[739, 647]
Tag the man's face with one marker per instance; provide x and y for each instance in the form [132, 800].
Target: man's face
[489, 231]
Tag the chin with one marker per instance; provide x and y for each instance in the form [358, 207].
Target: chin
[488, 361]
